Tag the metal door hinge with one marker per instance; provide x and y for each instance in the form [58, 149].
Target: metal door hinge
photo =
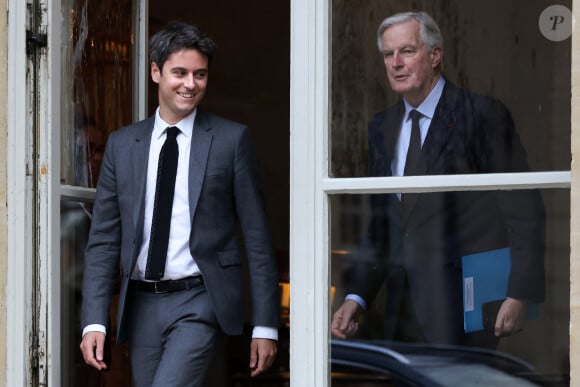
[37, 358]
[36, 352]
[34, 41]
[34, 357]
[37, 361]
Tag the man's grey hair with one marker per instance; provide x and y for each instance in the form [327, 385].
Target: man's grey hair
[429, 30]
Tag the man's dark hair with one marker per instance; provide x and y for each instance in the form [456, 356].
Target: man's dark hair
[177, 36]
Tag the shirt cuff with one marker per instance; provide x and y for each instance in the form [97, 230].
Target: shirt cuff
[357, 299]
[260, 332]
[95, 328]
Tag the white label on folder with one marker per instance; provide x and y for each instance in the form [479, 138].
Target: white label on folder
[468, 292]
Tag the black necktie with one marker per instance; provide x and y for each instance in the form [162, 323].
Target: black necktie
[414, 151]
[413, 156]
[164, 190]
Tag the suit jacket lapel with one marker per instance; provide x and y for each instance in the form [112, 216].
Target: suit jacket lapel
[201, 140]
[441, 128]
[139, 162]
[393, 124]
[392, 130]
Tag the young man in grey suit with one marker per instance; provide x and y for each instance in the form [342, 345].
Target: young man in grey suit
[172, 317]
[416, 241]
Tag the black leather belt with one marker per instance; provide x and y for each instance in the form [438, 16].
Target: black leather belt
[169, 286]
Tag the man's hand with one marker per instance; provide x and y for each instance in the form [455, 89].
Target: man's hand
[92, 348]
[510, 317]
[345, 319]
[262, 355]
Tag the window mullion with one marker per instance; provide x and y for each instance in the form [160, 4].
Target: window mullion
[437, 183]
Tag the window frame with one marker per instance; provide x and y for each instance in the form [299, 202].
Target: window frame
[311, 188]
[61, 192]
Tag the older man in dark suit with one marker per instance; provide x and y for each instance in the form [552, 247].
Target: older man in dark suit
[175, 300]
[416, 241]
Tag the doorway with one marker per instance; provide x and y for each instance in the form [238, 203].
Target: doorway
[249, 83]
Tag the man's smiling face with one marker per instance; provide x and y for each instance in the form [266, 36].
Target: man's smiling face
[182, 82]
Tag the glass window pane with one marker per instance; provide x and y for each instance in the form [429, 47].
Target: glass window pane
[97, 60]
[75, 223]
[491, 48]
[410, 269]
[96, 99]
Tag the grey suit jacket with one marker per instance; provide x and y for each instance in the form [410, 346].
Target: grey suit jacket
[224, 192]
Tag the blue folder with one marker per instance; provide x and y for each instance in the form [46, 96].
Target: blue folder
[485, 278]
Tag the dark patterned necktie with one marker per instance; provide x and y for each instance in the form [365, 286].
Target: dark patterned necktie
[412, 164]
[414, 151]
[164, 191]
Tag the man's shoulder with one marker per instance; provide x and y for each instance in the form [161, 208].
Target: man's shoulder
[464, 98]
[392, 112]
[134, 128]
[218, 122]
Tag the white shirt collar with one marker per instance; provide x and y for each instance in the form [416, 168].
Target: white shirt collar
[185, 125]
[429, 104]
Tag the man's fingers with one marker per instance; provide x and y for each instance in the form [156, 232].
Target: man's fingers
[262, 355]
[253, 354]
[92, 348]
[344, 321]
[337, 327]
[510, 317]
[352, 327]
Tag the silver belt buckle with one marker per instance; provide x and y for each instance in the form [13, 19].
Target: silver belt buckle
[156, 290]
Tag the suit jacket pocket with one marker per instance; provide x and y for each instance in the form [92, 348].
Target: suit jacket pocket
[229, 258]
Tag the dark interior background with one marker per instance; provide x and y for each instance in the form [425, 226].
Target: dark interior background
[249, 82]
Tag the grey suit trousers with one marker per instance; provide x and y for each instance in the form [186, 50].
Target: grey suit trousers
[172, 337]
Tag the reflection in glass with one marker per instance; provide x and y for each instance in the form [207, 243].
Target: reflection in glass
[486, 50]
[97, 64]
[372, 255]
[89, 145]
[96, 84]
[75, 222]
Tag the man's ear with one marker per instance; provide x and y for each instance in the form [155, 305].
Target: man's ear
[155, 72]
[436, 56]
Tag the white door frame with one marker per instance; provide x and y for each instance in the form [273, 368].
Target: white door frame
[19, 257]
[33, 214]
[33, 245]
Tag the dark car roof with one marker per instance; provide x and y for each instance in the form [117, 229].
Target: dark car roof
[435, 365]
